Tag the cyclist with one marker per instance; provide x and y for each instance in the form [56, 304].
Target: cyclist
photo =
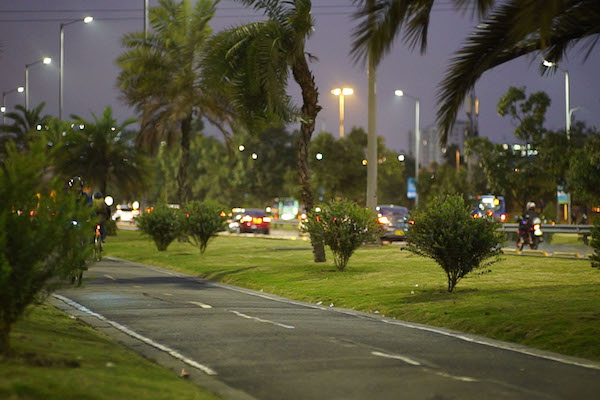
[102, 213]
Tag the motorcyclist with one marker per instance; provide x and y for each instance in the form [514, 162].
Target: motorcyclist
[102, 212]
[530, 214]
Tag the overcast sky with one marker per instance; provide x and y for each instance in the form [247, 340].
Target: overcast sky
[29, 30]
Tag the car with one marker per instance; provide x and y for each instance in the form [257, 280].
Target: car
[395, 221]
[125, 213]
[250, 220]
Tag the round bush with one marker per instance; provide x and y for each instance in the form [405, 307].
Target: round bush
[163, 224]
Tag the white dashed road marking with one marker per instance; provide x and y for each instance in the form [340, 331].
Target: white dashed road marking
[197, 303]
[239, 314]
[110, 277]
[396, 357]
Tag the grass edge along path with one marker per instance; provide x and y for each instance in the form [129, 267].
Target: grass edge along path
[548, 304]
[58, 357]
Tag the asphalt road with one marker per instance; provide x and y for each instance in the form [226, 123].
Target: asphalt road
[247, 344]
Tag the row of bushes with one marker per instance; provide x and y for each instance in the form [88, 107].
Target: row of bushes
[444, 232]
[197, 222]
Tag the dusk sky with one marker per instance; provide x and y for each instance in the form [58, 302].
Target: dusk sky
[29, 30]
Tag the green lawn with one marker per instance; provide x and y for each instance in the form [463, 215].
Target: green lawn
[550, 304]
[56, 357]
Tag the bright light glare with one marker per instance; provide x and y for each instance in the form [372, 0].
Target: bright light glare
[241, 147]
[347, 91]
[88, 19]
[268, 209]
[548, 63]
[399, 93]
[81, 126]
[136, 205]
[319, 156]
[336, 91]
[254, 156]
[401, 157]
[20, 89]
[317, 209]
[364, 162]
[38, 127]
[109, 200]
[47, 60]
[3, 109]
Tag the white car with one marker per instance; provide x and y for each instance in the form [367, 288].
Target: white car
[125, 213]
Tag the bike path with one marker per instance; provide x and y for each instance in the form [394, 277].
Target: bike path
[248, 344]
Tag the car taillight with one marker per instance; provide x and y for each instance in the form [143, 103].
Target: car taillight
[266, 219]
[383, 220]
[489, 213]
[257, 220]
[536, 227]
[503, 217]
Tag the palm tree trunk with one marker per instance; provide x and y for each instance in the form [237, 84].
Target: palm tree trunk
[310, 109]
[183, 182]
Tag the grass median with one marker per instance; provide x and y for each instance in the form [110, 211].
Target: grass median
[56, 357]
[550, 304]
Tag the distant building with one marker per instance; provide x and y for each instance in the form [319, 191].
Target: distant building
[430, 149]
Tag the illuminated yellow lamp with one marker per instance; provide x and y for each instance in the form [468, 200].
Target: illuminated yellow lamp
[496, 201]
[109, 200]
[135, 205]
[364, 162]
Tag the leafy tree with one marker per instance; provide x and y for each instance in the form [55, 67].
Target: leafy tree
[38, 241]
[529, 113]
[24, 126]
[103, 154]
[442, 180]
[583, 176]
[160, 78]
[163, 224]
[343, 226]
[251, 64]
[445, 232]
[202, 222]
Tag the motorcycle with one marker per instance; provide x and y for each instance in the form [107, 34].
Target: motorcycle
[530, 234]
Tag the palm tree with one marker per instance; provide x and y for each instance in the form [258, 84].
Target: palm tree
[104, 155]
[24, 126]
[509, 29]
[159, 77]
[252, 63]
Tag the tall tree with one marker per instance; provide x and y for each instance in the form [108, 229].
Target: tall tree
[252, 63]
[160, 78]
[104, 155]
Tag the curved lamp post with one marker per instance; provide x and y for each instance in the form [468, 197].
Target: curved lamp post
[19, 89]
[45, 60]
[61, 61]
[400, 93]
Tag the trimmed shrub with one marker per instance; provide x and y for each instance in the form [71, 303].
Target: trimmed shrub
[595, 243]
[39, 240]
[344, 227]
[202, 222]
[163, 225]
[446, 232]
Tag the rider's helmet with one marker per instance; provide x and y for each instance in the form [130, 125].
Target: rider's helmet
[98, 195]
[531, 205]
[75, 183]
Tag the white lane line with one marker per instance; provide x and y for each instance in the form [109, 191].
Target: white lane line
[496, 345]
[239, 314]
[110, 277]
[167, 294]
[124, 329]
[457, 378]
[396, 357]
[197, 303]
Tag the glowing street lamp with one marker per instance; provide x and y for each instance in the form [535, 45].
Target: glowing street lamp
[341, 93]
[400, 93]
[61, 62]
[20, 89]
[45, 60]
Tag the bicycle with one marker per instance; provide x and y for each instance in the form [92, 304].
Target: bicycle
[97, 244]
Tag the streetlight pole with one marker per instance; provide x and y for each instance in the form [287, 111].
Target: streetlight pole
[61, 61]
[400, 93]
[45, 60]
[568, 112]
[19, 89]
[341, 93]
